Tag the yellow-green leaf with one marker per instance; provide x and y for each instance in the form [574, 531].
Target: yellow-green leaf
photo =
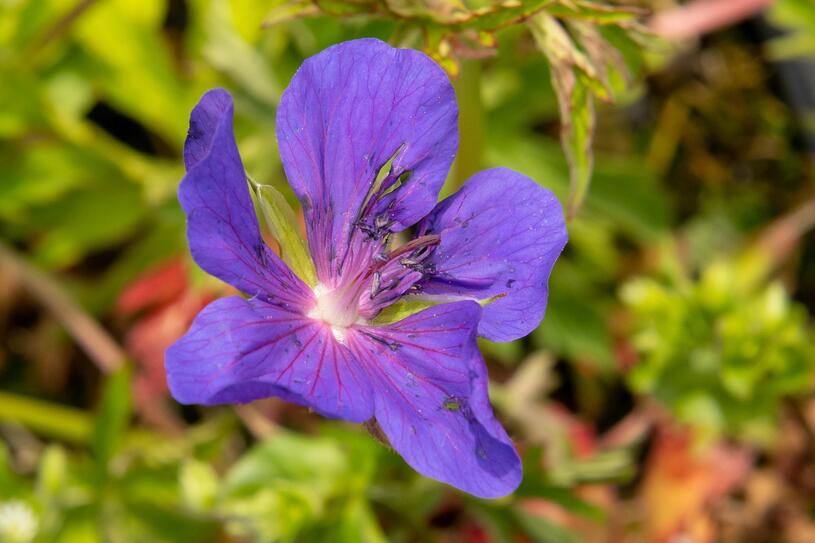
[574, 78]
[402, 309]
[595, 12]
[282, 223]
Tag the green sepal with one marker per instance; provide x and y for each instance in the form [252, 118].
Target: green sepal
[282, 223]
[403, 309]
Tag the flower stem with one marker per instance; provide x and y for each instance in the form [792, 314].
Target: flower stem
[471, 123]
[88, 333]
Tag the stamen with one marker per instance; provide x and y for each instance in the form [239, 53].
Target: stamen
[375, 284]
[416, 244]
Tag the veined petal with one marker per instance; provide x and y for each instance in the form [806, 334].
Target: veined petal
[348, 111]
[430, 399]
[500, 237]
[240, 350]
[222, 227]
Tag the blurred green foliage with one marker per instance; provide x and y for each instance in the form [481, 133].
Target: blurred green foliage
[722, 352]
[651, 304]
[798, 16]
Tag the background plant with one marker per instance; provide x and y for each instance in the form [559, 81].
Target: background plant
[667, 392]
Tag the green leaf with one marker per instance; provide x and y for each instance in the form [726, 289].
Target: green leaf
[562, 496]
[285, 11]
[287, 457]
[199, 485]
[344, 8]
[440, 11]
[509, 352]
[798, 18]
[46, 418]
[133, 66]
[573, 78]
[85, 220]
[543, 530]
[594, 12]
[282, 487]
[113, 416]
[53, 471]
[608, 63]
[282, 223]
[226, 50]
[504, 14]
[358, 524]
[577, 329]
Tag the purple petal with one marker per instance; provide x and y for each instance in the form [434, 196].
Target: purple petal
[222, 227]
[237, 351]
[347, 111]
[500, 237]
[430, 388]
[213, 108]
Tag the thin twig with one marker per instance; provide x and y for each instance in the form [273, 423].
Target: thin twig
[796, 410]
[94, 340]
[630, 429]
[257, 424]
[61, 26]
[783, 235]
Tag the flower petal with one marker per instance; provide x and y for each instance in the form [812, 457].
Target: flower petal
[430, 388]
[237, 351]
[346, 113]
[222, 227]
[500, 237]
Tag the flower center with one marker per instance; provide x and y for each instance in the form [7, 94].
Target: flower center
[335, 308]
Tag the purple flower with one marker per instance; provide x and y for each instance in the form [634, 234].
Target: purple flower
[348, 112]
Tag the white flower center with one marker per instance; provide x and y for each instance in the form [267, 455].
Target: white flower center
[334, 309]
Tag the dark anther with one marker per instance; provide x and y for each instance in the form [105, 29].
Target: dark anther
[380, 229]
[425, 268]
[381, 221]
[368, 230]
[375, 284]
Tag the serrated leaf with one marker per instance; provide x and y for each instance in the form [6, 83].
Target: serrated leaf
[608, 63]
[594, 12]
[282, 223]
[573, 76]
[440, 11]
[503, 14]
[344, 8]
